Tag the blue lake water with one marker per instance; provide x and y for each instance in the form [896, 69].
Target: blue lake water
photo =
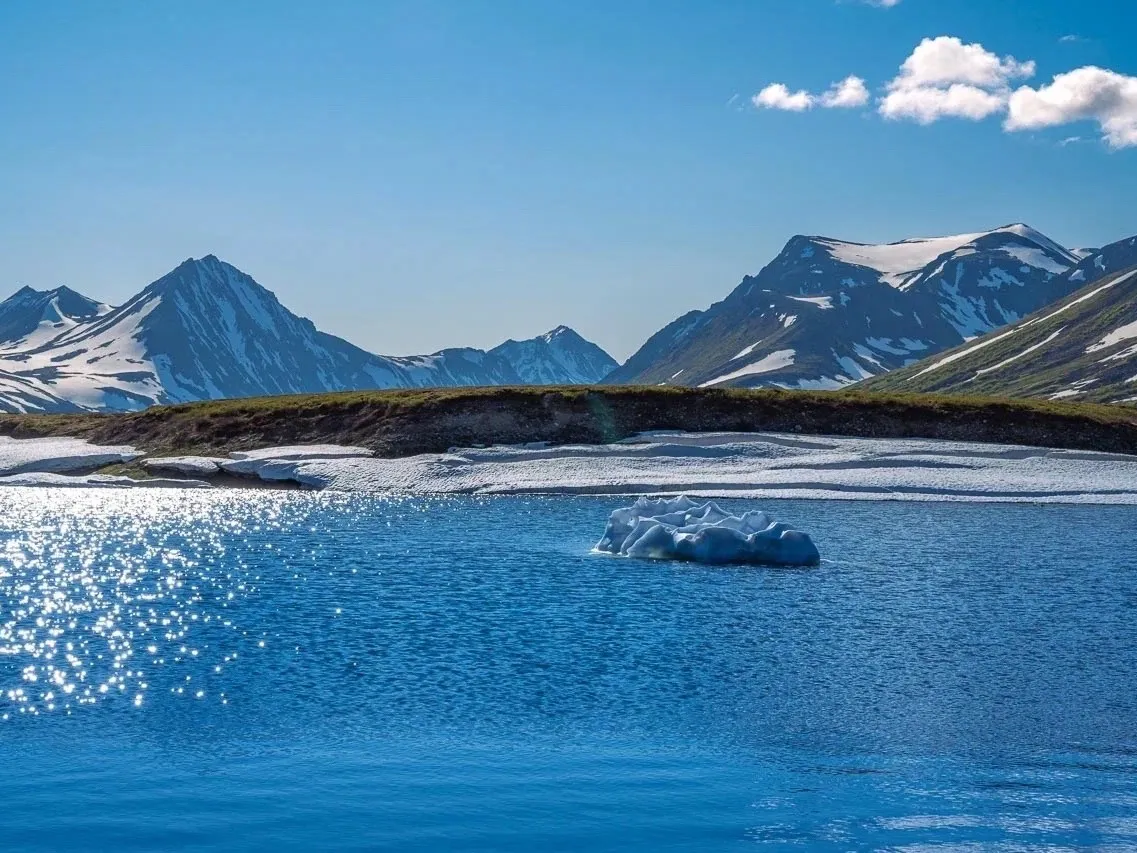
[270, 671]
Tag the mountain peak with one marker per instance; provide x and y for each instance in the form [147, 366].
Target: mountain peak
[560, 356]
[29, 313]
[208, 273]
[559, 332]
[71, 299]
[24, 293]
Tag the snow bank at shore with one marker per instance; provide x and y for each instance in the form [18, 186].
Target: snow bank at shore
[746, 465]
[57, 455]
[102, 481]
[709, 465]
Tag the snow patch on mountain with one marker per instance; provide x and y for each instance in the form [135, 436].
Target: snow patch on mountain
[822, 302]
[1020, 354]
[774, 361]
[1042, 318]
[897, 262]
[1121, 333]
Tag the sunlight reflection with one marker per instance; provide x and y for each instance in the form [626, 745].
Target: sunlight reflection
[103, 592]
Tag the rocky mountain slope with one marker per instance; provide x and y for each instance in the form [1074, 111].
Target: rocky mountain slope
[1083, 347]
[208, 331]
[827, 313]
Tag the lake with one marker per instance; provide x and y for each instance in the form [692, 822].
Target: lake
[291, 671]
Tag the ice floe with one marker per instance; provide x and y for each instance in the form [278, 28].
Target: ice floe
[681, 529]
[709, 465]
[282, 463]
[741, 465]
[58, 455]
[43, 478]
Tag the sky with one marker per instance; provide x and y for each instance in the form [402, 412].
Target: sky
[418, 174]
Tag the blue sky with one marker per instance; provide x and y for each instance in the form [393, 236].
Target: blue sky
[413, 174]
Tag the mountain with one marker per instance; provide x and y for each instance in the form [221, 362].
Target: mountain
[1082, 347]
[206, 330]
[31, 315]
[826, 313]
[559, 357]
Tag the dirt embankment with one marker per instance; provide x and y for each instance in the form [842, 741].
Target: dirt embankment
[399, 423]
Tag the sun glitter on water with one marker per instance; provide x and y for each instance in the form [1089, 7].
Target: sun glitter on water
[106, 601]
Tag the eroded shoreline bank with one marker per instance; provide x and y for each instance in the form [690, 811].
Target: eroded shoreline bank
[395, 424]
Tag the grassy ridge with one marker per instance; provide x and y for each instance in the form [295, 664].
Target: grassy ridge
[404, 422]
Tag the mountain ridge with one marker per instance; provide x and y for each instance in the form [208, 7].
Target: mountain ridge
[560, 356]
[1081, 347]
[206, 330]
[826, 313]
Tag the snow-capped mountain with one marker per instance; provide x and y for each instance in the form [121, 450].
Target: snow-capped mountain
[559, 357]
[204, 331]
[1082, 347]
[827, 313]
[28, 315]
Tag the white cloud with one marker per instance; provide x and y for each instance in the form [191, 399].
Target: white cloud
[1071, 39]
[847, 93]
[884, 4]
[777, 96]
[945, 78]
[946, 59]
[850, 92]
[926, 104]
[1084, 94]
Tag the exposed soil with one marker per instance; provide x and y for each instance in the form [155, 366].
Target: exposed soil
[401, 423]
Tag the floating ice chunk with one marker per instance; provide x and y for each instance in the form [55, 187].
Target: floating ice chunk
[680, 529]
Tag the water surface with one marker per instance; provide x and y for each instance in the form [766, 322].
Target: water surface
[270, 671]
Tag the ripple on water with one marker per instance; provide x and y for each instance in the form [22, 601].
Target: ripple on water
[328, 669]
[105, 599]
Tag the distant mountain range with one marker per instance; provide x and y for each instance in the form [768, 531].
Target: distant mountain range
[206, 331]
[1082, 347]
[827, 313]
[824, 314]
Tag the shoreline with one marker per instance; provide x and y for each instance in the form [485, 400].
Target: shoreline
[401, 423]
[716, 465]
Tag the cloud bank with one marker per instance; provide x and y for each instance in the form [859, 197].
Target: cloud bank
[944, 77]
